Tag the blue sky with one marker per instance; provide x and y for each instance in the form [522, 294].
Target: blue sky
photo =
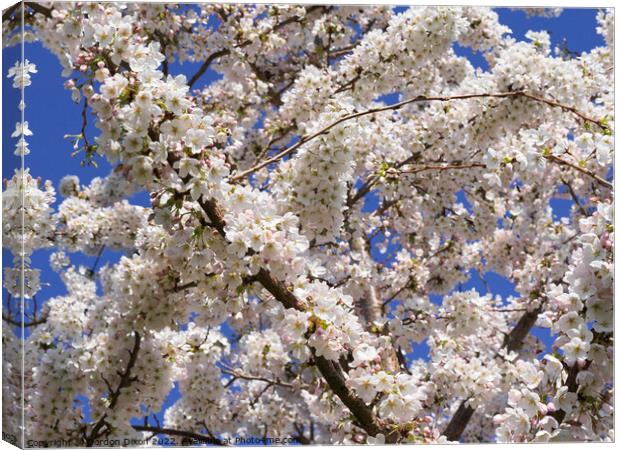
[51, 114]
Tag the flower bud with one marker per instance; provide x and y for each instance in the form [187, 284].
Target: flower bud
[581, 362]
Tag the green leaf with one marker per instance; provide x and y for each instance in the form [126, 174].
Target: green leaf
[383, 169]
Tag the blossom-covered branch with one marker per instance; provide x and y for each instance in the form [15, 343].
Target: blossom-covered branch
[304, 235]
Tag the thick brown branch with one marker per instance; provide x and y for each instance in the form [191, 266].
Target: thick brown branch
[205, 65]
[279, 290]
[6, 15]
[459, 421]
[332, 374]
[356, 405]
[571, 384]
[512, 342]
[35, 7]
[38, 8]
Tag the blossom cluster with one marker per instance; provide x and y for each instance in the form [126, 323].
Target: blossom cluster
[306, 233]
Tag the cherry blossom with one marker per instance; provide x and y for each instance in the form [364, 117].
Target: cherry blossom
[305, 235]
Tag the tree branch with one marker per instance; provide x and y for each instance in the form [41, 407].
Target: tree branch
[575, 198]
[205, 65]
[6, 15]
[419, 169]
[421, 98]
[512, 342]
[187, 434]
[356, 405]
[223, 52]
[125, 381]
[19, 323]
[563, 162]
[238, 375]
[571, 384]
[37, 8]
[332, 374]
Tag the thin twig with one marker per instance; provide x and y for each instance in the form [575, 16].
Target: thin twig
[125, 381]
[91, 271]
[396, 106]
[440, 168]
[563, 162]
[224, 52]
[237, 375]
[201, 438]
[574, 197]
[19, 323]
[85, 123]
